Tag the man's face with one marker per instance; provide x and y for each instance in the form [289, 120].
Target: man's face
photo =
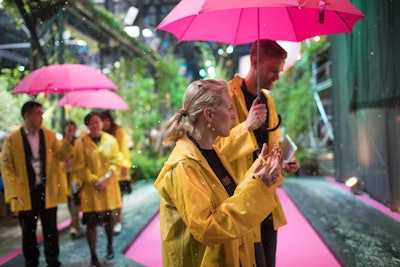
[270, 69]
[34, 118]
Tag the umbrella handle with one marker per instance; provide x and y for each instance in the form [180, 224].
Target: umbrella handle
[321, 15]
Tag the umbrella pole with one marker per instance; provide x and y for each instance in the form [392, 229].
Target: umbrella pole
[258, 68]
[258, 53]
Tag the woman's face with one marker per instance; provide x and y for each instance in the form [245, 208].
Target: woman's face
[224, 116]
[106, 124]
[95, 125]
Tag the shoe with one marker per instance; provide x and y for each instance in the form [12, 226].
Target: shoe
[73, 232]
[110, 254]
[95, 262]
[117, 228]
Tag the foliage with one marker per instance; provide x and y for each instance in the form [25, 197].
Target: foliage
[293, 95]
[146, 166]
[10, 114]
[219, 66]
[39, 10]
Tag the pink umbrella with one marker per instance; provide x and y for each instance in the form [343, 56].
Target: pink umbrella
[103, 99]
[59, 79]
[244, 21]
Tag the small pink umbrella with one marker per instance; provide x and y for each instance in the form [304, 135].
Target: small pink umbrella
[102, 99]
[62, 78]
[244, 21]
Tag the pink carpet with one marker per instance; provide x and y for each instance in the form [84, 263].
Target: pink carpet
[298, 243]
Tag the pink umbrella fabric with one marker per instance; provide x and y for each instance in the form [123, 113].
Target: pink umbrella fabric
[244, 21]
[62, 78]
[102, 99]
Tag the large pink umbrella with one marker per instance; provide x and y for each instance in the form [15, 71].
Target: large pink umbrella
[102, 99]
[62, 78]
[244, 21]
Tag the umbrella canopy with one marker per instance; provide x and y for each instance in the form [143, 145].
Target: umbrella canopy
[244, 21]
[103, 99]
[59, 79]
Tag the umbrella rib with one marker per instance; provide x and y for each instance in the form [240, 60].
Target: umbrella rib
[344, 21]
[188, 25]
[237, 26]
[291, 23]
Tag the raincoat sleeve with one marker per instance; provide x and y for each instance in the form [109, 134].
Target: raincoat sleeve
[239, 143]
[121, 137]
[208, 222]
[9, 175]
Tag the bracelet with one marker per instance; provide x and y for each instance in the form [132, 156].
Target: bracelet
[108, 174]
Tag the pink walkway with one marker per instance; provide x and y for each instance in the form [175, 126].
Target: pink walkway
[298, 243]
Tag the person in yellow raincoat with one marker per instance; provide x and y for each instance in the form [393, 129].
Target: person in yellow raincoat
[95, 164]
[70, 183]
[29, 164]
[243, 92]
[125, 164]
[208, 215]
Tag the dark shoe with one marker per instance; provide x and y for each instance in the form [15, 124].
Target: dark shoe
[110, 254]
[95, 262]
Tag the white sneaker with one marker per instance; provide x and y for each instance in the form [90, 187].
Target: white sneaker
[117, 228]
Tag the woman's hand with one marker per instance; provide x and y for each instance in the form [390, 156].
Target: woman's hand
[100, 184]
[291, 166]
[269, 166]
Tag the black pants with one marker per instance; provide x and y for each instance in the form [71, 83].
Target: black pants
[28, 223]
[269, 238]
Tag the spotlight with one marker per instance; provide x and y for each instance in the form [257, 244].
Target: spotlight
[354, 184]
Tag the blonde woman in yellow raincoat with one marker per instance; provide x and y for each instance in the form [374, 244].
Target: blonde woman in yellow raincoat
[208, 215]
[95, 164]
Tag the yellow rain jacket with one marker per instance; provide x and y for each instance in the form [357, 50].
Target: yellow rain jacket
[200, 224]
[242, 164]
[65, 180]
[15, 173]
[125, 157]
[92, 162]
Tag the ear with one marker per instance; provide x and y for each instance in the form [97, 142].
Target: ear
[208, 114]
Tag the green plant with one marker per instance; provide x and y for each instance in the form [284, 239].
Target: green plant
[147, 165]
[294, 98]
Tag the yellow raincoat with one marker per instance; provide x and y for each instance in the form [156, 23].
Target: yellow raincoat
[200, 224]
[242, 164]
[125, 157]
[92, 162]
[15, 173]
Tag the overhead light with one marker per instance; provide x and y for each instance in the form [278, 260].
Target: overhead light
[354, 184]
[131, 15]
[132, 31]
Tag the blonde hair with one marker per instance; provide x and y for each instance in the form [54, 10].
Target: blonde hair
[199, 95]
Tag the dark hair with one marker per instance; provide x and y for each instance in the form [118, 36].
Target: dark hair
[268, 48]
[90, 115]
[106, 115]
[68, 123]
[29, 106]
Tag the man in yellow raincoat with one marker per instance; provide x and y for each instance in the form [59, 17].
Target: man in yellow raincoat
[243, 92]
[30, 159]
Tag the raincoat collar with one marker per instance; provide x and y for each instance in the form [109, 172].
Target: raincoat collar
[186, 149]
